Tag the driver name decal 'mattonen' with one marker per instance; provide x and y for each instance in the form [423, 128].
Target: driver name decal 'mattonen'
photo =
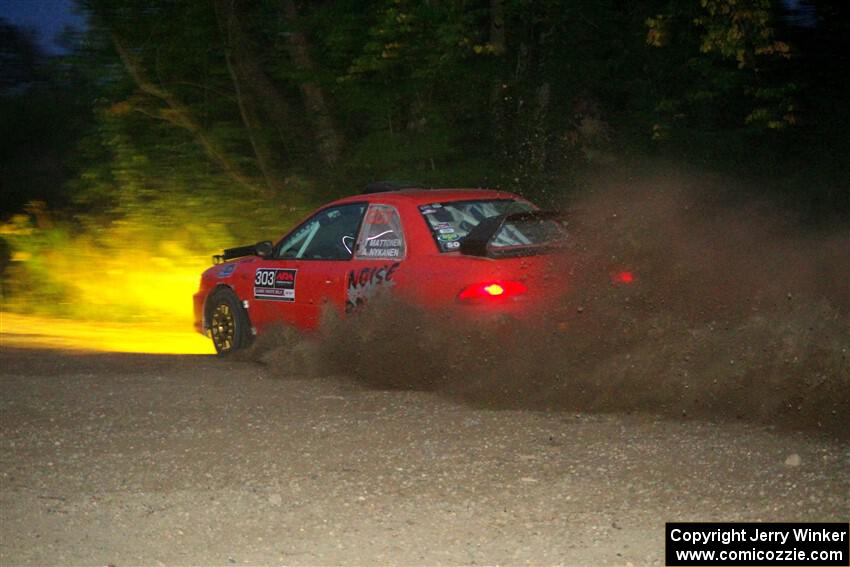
[276, 284]
[383, 245]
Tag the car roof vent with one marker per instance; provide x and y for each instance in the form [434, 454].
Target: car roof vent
[385, 186]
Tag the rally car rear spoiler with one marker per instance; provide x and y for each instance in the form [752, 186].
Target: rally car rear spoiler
[261, 249]
[480, 239]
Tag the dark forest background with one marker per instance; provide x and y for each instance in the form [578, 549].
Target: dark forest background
[168, 129]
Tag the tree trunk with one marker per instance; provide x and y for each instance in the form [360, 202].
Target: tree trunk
[499, 91]
[497, 27]
[255, 78]
[234, 58]
[181, 115]
[262, 151]
[328, 138]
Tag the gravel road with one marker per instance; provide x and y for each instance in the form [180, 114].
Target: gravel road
[147, 459]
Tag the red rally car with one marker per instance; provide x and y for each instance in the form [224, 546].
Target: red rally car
[481, 253]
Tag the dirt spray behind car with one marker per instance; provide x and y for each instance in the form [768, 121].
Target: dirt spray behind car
[679, 305]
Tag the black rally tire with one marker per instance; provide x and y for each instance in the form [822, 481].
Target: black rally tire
[230, 329]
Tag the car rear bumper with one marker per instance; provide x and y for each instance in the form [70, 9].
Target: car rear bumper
[525, 310]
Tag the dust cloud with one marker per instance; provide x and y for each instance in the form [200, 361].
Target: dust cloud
[735, 312]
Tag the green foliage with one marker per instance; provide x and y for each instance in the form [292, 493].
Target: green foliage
[731, 83]
[29, 278]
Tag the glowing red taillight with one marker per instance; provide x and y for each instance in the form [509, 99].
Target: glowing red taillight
[492, 290]
[624, 277]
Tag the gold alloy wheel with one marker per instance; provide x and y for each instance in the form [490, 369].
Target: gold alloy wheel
[222, 327]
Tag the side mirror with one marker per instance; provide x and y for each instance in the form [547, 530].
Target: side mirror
[264, 249]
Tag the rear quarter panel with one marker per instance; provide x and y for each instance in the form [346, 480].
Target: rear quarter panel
[433, 279]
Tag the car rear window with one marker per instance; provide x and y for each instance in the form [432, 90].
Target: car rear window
[525, 232]
[452, 221]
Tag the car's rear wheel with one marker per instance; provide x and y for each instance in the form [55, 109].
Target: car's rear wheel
[229, 325]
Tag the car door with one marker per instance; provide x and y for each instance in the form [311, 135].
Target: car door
[307, 269]
[379, 253]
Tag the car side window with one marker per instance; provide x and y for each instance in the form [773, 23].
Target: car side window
[327, 235]
[381, 235]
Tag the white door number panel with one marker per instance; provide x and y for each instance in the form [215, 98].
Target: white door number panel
[277, 284]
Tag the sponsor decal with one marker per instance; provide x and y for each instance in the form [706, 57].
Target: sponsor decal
[227, 270]
[365, 282]
[447, 237]
[378, 216]
[448, 230]
[277, 284]
[439, 225]
[451, 245]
